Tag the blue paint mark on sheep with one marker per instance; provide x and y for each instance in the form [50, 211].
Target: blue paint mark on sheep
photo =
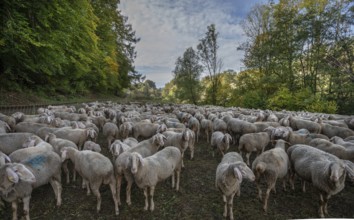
[36, 161]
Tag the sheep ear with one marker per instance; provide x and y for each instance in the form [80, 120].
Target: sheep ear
[349, 167]
[140, 160]
[11, 175]
[238, 173]
[7, 127]
[64, 155]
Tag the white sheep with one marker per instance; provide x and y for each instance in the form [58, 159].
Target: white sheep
[95, 169]
[220, 141]
[229, 175]
[19, 178]
[147, 130]
[179, 140]
[110, 132]
[58, 144]
[78, 136]
[253, 142]
[117, 148]
[150, 170]
[92, 146]
[325, 171]
[271, 165]
[206, 125]
[144, 148]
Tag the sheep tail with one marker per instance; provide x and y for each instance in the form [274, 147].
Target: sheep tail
[261, 167]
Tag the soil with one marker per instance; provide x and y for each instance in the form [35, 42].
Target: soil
[198, 198]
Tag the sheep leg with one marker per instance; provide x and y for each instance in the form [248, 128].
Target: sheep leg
[152, 204]
[303, 183]
[98, 196]
[259, 190]
[129, 188]
[14, 210]
[248, 158]
[225, 206]
[173, 180]
[26, 202]
[230, 200]
[119, 183]
[66, 171]
[192, 152]
[74, 175]
[146, 198]
[112, 186]
[320, 211]
[270, 187]
[182, 159]
[178, 172]
[56, 185]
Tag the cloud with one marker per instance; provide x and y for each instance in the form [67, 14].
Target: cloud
[168, 27]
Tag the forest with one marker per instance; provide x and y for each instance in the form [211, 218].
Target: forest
[299, 55]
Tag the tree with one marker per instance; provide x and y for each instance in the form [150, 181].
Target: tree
[186, 76]
[207, 50]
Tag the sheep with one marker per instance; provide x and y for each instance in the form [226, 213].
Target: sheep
[194, 125]
[295, 138]
[126, 129]
[280, 132]
[350, 122]
[78, 136]
[147, 130]
[340, 141]
[95, 169]
[220, 141]
[229, 175]
[253, 142]
[335, 149]
[144, 148]
[219, 125]
[271, 165]
[331, 131]
[90, 145]
[11, 121]
[325, 171]
[110, 132]
[18, 179]
[191, 143]
[4, 127]
[29, 127]
[179, 140]
[58, 144]
[297, 123]
[11, 142]
[117, 148]
[174, 124]
[44, 131]
[150, 170]
[206, 125]
[237, 128]
[261, 126]
[132, 142]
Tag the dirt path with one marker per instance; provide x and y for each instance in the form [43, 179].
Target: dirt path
[197, 199]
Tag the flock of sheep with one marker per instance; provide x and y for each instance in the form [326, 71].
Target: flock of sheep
[148, 143]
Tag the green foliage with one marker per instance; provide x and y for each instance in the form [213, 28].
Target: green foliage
[43, 43]
[186, 76]
[300, 100]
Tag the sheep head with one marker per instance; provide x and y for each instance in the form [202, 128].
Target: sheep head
[11, 174]
[136, 160]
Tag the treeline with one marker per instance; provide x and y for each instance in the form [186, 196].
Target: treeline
[65, 47]
[299, 55]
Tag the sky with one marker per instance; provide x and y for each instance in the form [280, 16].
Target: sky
[166, 28]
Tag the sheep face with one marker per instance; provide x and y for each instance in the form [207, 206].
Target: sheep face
[11, 174]
[337, 172]
[30, 142]
[158, 139]
[136, 160]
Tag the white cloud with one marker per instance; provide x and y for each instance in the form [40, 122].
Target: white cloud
[168, 27]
